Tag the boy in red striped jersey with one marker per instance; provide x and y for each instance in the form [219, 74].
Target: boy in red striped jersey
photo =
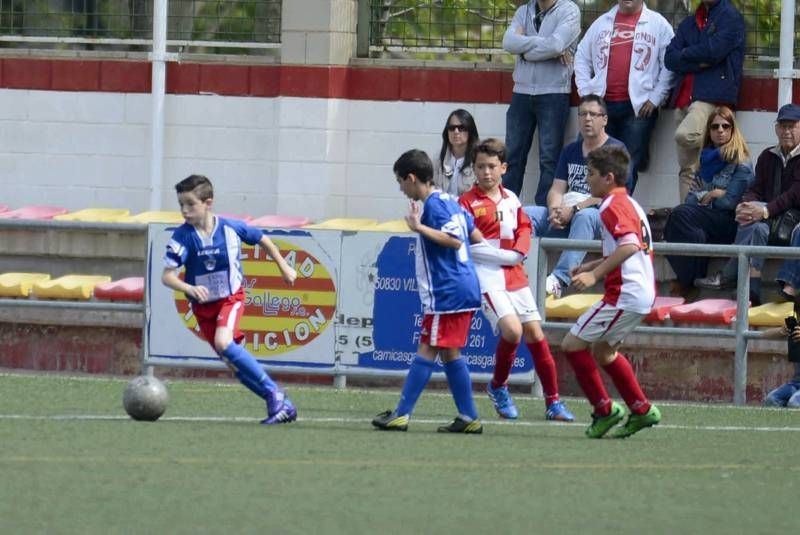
[506, 297]
[627, 266]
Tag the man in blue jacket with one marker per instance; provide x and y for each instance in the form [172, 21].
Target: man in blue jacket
[707, 53]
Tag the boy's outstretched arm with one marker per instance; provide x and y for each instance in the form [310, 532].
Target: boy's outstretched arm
[288, 273]
[589, 277]
[170, 279]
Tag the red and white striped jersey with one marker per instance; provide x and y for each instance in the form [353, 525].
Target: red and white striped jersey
[504, 225]
[631, 285]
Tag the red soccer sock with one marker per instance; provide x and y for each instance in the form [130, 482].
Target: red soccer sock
[545, 369]
[588, 377]
[621, 373]
[504, 357]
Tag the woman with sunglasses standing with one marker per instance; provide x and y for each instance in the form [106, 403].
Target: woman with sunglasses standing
[452, 171]
[707, 215]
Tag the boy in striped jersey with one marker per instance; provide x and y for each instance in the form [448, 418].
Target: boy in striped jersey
[627, 267]
[507, 300]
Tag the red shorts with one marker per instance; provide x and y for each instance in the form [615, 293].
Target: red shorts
[446, 330]
[226, 312]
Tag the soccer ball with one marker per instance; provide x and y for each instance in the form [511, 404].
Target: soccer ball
[145, 398]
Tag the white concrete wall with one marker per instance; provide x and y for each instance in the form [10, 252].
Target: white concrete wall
[321, 158]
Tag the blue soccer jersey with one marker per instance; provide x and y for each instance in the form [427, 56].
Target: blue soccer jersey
[212, 261]
[445, 276]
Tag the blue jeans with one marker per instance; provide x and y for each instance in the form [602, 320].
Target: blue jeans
[585, 225]
[786, 395]
[634, 131]
[550, 112]
[752, 234]
[790, 269]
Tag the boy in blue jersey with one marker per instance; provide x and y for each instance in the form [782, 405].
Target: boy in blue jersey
[209, 247]
[449, 291]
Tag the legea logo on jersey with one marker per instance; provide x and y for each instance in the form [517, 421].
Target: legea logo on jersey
[279, 318]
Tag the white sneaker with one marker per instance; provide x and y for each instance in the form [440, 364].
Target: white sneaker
[553, 286]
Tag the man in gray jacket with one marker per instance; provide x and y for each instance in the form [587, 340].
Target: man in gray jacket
[543, 34]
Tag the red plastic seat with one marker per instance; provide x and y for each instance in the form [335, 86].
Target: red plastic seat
[662, 307]
[280, 221]
[713, 311]
[3, 208]
[128, 289]
[34, 212]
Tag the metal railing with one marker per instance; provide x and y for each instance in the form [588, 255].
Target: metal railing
[739, 329]
[425, 28]
[207, 26]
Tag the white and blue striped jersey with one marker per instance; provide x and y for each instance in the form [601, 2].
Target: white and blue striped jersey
[445, 276]
[213, 261]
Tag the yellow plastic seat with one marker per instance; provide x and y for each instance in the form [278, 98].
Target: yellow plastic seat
[19, 284]
[396, 225]
[69, 287]
[345, 223]
[571, 306]
[156, 216]
[100, 215]
[770, 314]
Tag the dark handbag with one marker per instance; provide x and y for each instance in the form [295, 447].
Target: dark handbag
[781, 227]
[657, 219]
[793, 348]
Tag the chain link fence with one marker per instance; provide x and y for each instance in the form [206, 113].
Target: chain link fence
[202, 26]
[462, 29]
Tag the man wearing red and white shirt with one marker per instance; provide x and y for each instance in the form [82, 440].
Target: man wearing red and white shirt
[507, 300]
[627, 266]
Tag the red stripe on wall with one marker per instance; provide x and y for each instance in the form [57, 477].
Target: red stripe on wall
[355, 83]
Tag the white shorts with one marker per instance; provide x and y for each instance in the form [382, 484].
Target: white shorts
[607, 323]
[500, 303]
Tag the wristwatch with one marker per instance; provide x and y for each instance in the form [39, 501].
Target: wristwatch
[766, 213]
[577, 207]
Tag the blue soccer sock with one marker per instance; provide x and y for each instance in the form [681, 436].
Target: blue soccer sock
[461, 387]
[418, 375]
[250, 373]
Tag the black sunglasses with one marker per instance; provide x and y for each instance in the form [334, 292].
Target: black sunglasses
[454, 127]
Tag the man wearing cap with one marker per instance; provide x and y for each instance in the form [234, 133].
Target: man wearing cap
[775, 189]
[707, 54]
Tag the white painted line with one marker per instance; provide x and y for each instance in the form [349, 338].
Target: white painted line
[366, 421]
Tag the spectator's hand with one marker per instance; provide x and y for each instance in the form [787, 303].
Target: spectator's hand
[198, 293]
[520, 30]
[413, 217]
[747, 213]
[796, 334]
[583, 280]
[567, 58]
[647, 110]
[709, 197]
[556, 217]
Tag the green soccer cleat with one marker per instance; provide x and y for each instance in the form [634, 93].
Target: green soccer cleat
[602, 424]
[389, 421]
[637, 422]
[460, 425]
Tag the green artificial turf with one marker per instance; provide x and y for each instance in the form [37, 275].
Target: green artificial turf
[71, 462]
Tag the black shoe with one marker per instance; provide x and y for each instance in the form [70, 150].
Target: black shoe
[755, 298]
[389, 421]
[717, 281]
[460, 425]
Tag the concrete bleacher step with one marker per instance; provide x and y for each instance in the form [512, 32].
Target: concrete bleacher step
[345, 223]
[78, 287]
[34, 212]
[154, 216]
[571, 306]
[280, 221]
[127, 289]
[95, 215]
[770, 314]
[707, 311]
[19, 284]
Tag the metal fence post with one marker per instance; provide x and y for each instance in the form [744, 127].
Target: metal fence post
[742, 308]
[362, 29]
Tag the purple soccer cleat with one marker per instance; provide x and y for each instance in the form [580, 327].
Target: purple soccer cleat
[285, 414]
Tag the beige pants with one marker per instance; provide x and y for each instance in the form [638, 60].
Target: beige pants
[689, 140]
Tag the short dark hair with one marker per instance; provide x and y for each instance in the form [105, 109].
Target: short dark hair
[597, 99]
[612, 159]
[491, 147]
[416, 162]
[200, 184]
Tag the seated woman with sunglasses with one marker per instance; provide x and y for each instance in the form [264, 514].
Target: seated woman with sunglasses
[452, 171]
[707, 215]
